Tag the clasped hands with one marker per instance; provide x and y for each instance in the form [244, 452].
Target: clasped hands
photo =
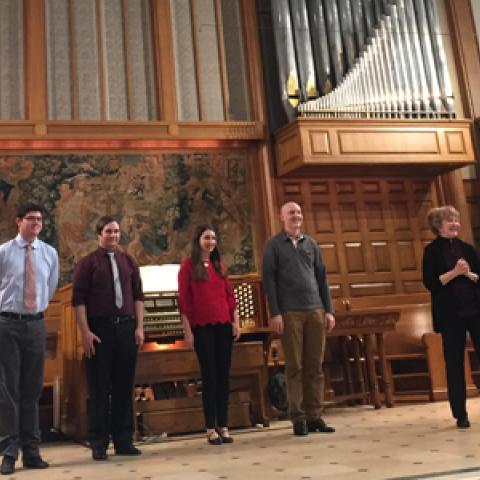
[463, 268]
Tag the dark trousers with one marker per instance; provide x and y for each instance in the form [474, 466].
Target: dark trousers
[22, 355]
[454, 341]
[110, 374]
[213, 345]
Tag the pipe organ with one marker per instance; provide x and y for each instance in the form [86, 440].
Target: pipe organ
[381, 59]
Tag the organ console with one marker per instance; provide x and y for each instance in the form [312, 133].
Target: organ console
[162, 318]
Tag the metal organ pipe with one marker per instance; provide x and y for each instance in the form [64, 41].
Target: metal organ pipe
[284, 47]
[303, 49]
[321, 54]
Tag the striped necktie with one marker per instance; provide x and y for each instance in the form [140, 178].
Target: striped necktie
[29, 287]
[117, 285]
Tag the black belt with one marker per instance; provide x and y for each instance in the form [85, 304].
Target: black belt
[113, 319]
[22, 316]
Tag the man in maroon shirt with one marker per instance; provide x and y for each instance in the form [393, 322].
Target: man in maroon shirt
[108, 304]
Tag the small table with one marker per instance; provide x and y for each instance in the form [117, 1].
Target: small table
[371, 324]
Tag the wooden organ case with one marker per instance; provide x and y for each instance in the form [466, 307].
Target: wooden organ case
[167, 393]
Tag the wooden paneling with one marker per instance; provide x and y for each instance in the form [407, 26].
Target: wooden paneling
[253, 60]
[354, 256]
[381, 256]
[36, 89]
[305, 145]
[371, 230]
[467, 54]
[356, 142]
[35, 60]
[164, 62]
[472, 193]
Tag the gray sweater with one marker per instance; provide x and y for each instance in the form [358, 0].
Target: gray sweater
[294, 278]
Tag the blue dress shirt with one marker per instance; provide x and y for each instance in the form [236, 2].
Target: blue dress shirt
[12, 272]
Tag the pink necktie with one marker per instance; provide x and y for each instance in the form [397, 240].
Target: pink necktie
[29, 289]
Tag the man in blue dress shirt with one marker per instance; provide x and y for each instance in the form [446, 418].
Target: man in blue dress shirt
[28, 279]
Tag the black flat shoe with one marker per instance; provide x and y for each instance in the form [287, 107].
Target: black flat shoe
[224, 435]
[8, 465]
[99, 453]
[300, 428]
[463, 423]
[129, 450]
[213, 438]
[319, 425]
[34, 462]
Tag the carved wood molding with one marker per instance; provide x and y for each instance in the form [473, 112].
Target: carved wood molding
[122, 131]
[75, 145]
[362, 322]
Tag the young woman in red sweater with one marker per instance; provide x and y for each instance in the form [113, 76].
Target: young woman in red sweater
[210, 322]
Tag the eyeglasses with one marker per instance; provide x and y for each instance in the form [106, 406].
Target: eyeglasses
[33, 219]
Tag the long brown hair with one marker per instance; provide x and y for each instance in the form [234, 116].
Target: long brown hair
[198, 268]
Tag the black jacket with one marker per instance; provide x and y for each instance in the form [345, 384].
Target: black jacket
[444, 302]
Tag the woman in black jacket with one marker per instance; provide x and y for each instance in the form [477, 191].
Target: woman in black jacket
[451, 271]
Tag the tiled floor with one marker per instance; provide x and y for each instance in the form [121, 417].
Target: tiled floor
[405, 442]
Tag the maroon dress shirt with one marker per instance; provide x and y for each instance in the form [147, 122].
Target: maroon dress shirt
[93, 284]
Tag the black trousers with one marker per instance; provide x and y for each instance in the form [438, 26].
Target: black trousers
[454, 341]
[213, 345]
[22, 355]
[110, 374]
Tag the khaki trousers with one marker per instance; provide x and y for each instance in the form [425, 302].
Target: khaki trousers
[303, 343]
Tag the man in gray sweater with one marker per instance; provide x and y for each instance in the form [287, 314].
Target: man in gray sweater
[297, 290]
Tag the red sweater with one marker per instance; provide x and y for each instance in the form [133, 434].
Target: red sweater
[205, 302]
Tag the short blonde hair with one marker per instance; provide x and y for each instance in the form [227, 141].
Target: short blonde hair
[437, 215]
